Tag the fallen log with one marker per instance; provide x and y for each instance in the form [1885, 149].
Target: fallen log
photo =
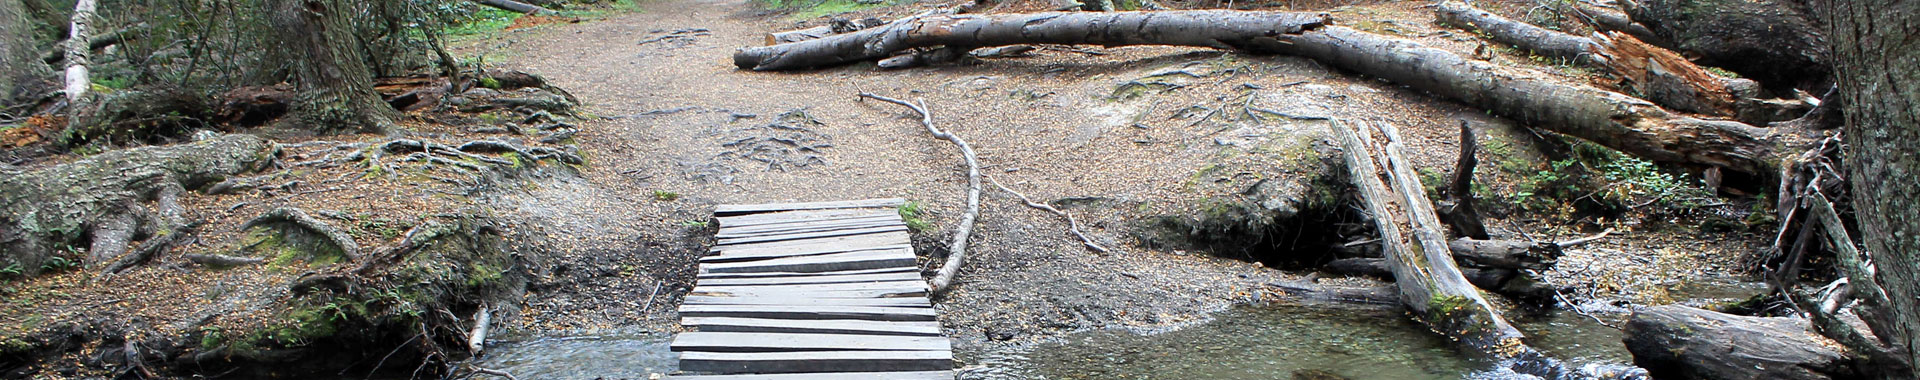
[1507, 282]
[1779, 43]
[515, 6]
[1215, 29]
[1687, 343]
[1430, 285]
[837, 26]
[1610, 119]
[1655, 73]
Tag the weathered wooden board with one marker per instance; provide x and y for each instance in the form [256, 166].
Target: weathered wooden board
[806, 299]
[807, 250]
[815, 361]
[798, 274]
[828, 326]
[802, 216]
[779, 342]
[773, 293]
[871, 313]
[917, 375]
[796, 280]
[809, 235]
[819, 263]
[855, 241]
[725, 235]
[729, 210]
[912, 284]
[808, 225]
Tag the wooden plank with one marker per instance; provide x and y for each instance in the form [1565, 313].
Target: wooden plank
[819, 263]
[909, 284]
[870, 313]
[802, 217]
[916, 375]
[829, 326]
[729, 210]
[855, 241]
[815, 361]
[802, 299]
[810, 235]
[811, 279]
[799, 229]
[787, 342]
[813, 223]
[800, 274]
[765, 254]
[827, 294]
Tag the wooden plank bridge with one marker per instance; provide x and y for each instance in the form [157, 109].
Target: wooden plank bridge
[823, 290]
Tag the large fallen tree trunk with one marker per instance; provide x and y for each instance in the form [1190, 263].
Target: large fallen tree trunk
[1215, 29]
[103, 201]
[1686, 343]
[1416, 250]
[1655, 73]
[1776, 42]
[515, 6]
[1611, 119]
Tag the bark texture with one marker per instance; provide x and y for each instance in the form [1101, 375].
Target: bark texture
[1611, 119]
[1775, 42]
[1215, 29]
[108, 200]
[1680, 342]
[515, 6]
[1877, 62]
[78, 53]
[335, 83]
[20, 73]
[1415, 246]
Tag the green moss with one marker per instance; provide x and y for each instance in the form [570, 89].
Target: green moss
[288, 247]
[14, 345]
[913, 214]
[807, 9]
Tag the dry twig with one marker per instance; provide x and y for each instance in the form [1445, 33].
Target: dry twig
[1072, 225]
[958, 247]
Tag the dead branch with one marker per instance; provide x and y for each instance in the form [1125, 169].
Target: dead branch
[217, 260]
[1584, 240]
[153, 246]
[958, 247]
[300, 218]
[1072, 225]
[515, 6]
[477, 340]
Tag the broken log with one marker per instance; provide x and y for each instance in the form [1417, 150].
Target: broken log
[1456, 204]
[1430, 285]
[1657, 74]
[1607, 118]
[1507, 282]
[1410, 235]
[1687, 343]
[1215, 29]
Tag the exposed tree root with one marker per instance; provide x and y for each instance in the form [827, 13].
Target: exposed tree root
[298, 218]
[1072, 225]
[216, 260]
[957, 250]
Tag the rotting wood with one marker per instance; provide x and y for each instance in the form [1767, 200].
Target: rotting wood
[1215, 29]
[957, 247]
[837, 26]
[1457, 202]
[1610, 119]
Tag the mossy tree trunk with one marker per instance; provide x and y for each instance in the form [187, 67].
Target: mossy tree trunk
[336, 86]
[1877, 67]
[20, 69]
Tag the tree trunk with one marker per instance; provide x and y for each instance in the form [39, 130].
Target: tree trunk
[1776, 42]
[77, 55]
[20, 73]
[1686, 343]
[1610, 119]
[1877, 66]
[1216, 29]
[336, 86]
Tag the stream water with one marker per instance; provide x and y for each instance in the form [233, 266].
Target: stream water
[1276, 341]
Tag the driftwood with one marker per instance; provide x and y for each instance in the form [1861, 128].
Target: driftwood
[1610, 119]
[1216, 29]
[1687, 343]
[957, 249]
[477, 339]
[515, 6]
[1383, 295]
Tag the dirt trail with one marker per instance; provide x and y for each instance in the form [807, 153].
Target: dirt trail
[674, 117]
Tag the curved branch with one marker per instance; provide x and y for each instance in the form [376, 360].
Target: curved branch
[957, 250]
